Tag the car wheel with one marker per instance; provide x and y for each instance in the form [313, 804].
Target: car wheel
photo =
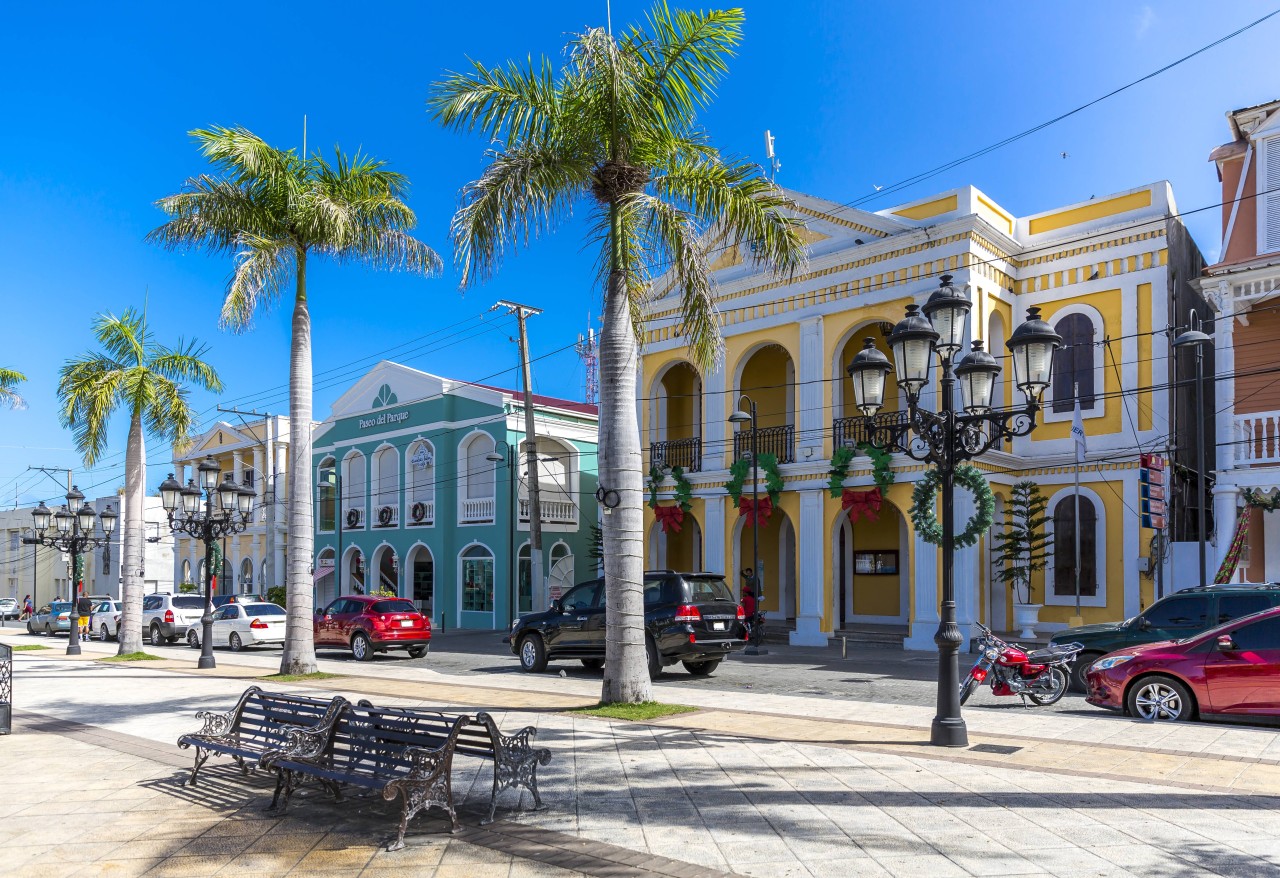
[235, 642]
[1054, 695]
[533, 655]
[592, 664]
[157, 639]
[1080, 668]
[417, 651]
[104, 634]
[361, 648]
[1160, 698]
[30, 630]
[193, 639]
[652, 658]
[702, 669]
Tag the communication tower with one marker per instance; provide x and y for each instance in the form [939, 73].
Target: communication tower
[589, 352]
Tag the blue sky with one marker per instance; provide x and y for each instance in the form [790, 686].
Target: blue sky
[98, 101]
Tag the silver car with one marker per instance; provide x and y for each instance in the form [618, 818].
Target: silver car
[52, 618]
[9, 608]
[167, 617]
[105, 620]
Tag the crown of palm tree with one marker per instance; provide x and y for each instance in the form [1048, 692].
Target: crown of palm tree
[131, 371]
[9, 379]
[614, 129]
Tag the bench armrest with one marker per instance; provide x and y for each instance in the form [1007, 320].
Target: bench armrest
[216, 723]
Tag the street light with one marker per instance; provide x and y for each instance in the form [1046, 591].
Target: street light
[1197, 340]
[741, 417]
[947, 438]
[231, 516]
[74, 525]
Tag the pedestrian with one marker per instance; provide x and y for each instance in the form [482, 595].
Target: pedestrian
[27, 609]
[84, 606]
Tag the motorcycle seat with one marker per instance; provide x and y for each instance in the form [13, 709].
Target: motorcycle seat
[1053, 651]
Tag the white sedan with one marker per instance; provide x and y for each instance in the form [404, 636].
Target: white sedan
[240, 625]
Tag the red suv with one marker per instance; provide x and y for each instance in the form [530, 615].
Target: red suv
[367, 624]
[1231, 670]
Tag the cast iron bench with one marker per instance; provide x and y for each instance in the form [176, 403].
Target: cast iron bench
[259, 723]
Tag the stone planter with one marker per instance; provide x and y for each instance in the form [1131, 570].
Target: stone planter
[1025, 617]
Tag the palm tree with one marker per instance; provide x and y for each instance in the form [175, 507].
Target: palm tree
[9, 379]
[614, 130]
[133, 372]
[271, 209]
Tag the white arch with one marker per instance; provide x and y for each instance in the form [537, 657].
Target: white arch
[419, 482]
[1067, 495]
[468, 597]
[246, 563]
[996, 336]
[408, 582]
[658, 401]
[327, 462]
[385, 492]
[354, 488]
[477, 479]
[1096, 366]
[350, 580]
[838, 366]
[373, 570]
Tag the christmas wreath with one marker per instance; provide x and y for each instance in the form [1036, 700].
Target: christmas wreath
[1259, 500]
[925, 520]
[773, 484]
[670, 517]
[858, 503]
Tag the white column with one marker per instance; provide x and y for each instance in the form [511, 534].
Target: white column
[811, 417]
[1226, 499]
[1271, 535]
[924, 622]
[811, 569]
[713, 420]
[237, 467]
[259, 473]
[713, 555]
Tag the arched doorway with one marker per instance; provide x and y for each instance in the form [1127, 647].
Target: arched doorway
[246, 575]
[353, 571]
[680, 550]
[871, 576]
[388, 570]
[326, 582]
[420, 566]
[777, 539]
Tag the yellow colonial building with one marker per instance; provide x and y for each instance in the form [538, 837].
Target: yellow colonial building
[1109, 274]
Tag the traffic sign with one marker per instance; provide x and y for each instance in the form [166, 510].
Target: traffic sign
[1151, 490]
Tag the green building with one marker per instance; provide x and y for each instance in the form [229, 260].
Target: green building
[422, 491]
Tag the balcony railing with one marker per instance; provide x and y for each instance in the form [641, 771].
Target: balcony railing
[852, 431]
[422, 513]
[553, 511]
[1259, 437]
[353, 518]
[477, 511]
[388, 515]
[778, 441]
[684, 453]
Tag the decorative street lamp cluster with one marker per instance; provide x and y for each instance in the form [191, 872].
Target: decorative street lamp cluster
[231, 515]
[946, 437]
[73, 527]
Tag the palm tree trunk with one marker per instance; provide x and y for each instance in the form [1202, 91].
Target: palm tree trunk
[132, 535]
[626, 675]
[299, 643]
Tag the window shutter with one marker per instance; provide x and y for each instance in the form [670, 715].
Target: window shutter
[1270, 180]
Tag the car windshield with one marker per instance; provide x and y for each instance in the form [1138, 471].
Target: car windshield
[393, 607]
[1225, 627]
[708, 588]
[188, 602]
[264, 610]
[61, 607]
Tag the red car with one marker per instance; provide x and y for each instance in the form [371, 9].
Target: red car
[367, 624]
[1230, 670]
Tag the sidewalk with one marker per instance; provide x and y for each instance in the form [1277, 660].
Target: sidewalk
[766, 792]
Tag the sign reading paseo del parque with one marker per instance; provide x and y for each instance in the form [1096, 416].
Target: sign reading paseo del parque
[383, 420]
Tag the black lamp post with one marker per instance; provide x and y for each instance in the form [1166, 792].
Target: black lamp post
[1197, 340]
[231, 516]
[74, 525]
[744, 417]
[946, 437]
[513, 567]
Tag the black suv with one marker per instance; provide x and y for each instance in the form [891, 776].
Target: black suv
[1181, 614]
[688, 617]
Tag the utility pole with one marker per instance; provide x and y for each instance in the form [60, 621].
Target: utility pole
[531, 445]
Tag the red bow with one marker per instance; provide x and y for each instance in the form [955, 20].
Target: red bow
[859, 503]
[669, 517]
[760, 509]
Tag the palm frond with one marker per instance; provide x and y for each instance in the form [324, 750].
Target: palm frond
[9, 379]
[166, 409]
[212, 214]
[263, 268]
[185, 363]
[688, 54]
[248, 159]
[516, 103]
[90, 387]
[124, 338]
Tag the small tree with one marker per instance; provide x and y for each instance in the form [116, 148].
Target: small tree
[1023, 547]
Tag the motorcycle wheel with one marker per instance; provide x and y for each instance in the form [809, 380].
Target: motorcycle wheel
[1059, 689]
[970, 685]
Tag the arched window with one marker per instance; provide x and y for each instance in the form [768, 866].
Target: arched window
[246, 575]
[557, 483]
[1073, 364]
[186, 572]
[477, 579]
[1064, 547]
[525, 579]
[476, 495]
[326, 492]
[386, 484]
[420, 480]
[353, 489]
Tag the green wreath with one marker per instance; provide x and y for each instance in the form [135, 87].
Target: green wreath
[840, 461]
[773, 481]
[925, 521]
[1258, 500]
[684, 491]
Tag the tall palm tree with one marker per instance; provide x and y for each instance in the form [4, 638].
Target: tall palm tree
[614, 130]
[133, 373]
[271, 209]
[9, 379]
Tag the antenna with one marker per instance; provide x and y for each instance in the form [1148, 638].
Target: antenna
[304, 137]
[774, 164]
[589, 352]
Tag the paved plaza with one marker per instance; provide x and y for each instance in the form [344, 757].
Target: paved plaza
[778, 785]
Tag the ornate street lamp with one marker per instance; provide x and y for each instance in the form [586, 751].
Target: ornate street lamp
[742, 417]
[231, 514]
[947, 438]
[1197, 340]
[74, 526]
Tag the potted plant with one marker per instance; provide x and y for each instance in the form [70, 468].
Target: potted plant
[1021, 549]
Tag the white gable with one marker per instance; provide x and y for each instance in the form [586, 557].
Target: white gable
[390, 383]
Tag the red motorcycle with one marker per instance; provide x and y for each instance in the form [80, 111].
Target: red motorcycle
[1039, 676]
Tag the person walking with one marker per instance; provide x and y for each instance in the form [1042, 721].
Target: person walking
[84, 607]
[27, 609]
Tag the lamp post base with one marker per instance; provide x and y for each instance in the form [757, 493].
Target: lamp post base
[73, 641]
[948, 732]
[206, 662]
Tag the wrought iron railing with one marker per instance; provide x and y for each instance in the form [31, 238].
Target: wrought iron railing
[778, 441]
[684, 453]
[851, 431]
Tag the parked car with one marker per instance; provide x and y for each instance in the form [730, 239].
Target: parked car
[1229, 670]
[167, 617]
[106, 619]
[1179, 615]
[241, 625]
[51, 618]
[366, 624]
[221, 600]
[689, 617]
[9, 608]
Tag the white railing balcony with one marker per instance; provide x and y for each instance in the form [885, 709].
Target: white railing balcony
[387, 515]
[422, 512]
[353, 518]
[553, 511]
[1258, 435]
[477, 511]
